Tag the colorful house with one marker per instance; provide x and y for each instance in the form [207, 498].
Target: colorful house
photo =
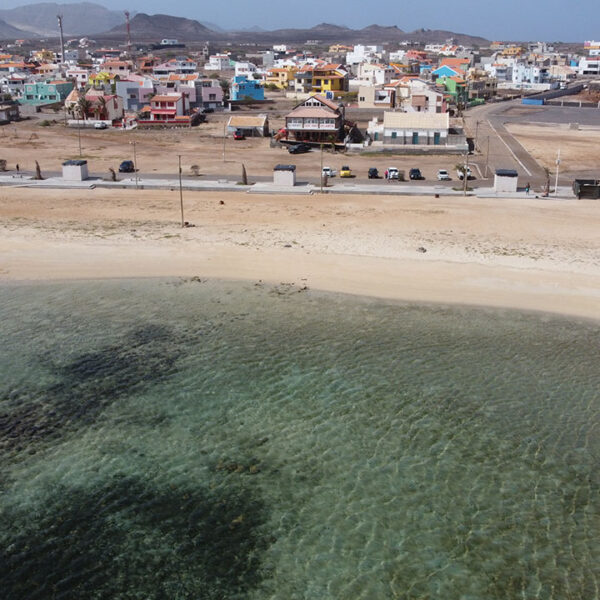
[242, 88]
[281, 77]
[456, 88]
[316, 120]
[46, 92]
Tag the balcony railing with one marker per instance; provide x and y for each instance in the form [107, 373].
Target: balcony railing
[311, 126]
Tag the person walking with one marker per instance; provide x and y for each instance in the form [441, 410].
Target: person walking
[17, 167]
[527, 188]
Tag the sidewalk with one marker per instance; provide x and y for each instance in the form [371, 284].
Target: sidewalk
[220, 185]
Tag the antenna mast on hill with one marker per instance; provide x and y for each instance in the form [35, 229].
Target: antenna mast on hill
[128, 26]
[62, 39]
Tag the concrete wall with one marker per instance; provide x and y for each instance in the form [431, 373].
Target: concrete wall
[284, 178]
[505, 184]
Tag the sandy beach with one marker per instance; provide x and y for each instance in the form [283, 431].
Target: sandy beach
[530, 254]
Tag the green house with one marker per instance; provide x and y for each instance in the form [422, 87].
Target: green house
[46, 92]
[456, 87]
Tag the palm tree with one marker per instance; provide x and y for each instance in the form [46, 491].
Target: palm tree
[102, 107]
[83, 107]
[547, 184]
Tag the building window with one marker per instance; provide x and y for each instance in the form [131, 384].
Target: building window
[394, 135]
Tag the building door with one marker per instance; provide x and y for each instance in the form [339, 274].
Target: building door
[415, 138]
[436, 138]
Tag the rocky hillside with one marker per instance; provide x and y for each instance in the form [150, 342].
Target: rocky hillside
[80, 18]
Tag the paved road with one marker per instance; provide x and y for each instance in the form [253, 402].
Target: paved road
[500, 150]
[496, 147]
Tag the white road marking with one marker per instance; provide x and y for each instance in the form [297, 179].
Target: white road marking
[509, 148]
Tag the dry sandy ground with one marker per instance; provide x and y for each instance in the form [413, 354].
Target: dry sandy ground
[157, 150]
[578, 148]
[532, 254]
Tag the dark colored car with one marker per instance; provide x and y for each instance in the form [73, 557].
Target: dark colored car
[238, 135]
[415, 174]
[299, 148]
[373, 173]
[208, 110]
[126, 166]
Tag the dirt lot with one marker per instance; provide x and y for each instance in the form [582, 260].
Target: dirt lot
[578, 147]
[157, 149]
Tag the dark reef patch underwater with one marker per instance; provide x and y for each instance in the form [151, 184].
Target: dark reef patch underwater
[185, 439]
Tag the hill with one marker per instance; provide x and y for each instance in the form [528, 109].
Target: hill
[81, 18]
[145, 28]
[9, 32]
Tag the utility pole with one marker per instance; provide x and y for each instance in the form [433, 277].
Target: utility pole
[79, 136]
[465, 176]
[135, 165]
[128, 28]
[476, 132]
[557, 167]
[181, 192]
[487, 157]
[224, 137]
[62, 39]
[321, 168]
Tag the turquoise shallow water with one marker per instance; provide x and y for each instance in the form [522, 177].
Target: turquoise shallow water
[193, 439]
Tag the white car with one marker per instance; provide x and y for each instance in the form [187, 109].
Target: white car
[459, 174]
[443, 175]
[328, 172]
[100, 126]
[393, 173]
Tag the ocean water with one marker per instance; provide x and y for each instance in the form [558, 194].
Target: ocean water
[208, 440]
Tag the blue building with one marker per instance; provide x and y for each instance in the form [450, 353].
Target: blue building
[242, 87]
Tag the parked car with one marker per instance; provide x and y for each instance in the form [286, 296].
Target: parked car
[238, 135]
[443, 175]
[299, 148]
[393, 173]
[328, 171]
[460, 175]
[127, 166]
[415, 174]
[373, 173]
[208, 110]
[100, 125]
[346, 172]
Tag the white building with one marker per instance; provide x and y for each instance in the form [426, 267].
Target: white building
[218, 62]
[589, 66]
[362, 53]
[415, 129]
[245, 68]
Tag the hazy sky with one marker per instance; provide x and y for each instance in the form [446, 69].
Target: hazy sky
[554, 20]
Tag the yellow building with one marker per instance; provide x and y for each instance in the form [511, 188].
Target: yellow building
[337, 48]
[329, 78]
[281, 77]
[512, 51]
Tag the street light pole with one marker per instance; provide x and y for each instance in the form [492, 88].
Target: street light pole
[487, 157]
[181, 192]
[557, 167]
[465, 174]
[224, 138]
[79, 136]
[321, 168]
[135, 165]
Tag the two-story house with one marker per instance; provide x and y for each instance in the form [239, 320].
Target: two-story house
[243, 88]
[316, 120]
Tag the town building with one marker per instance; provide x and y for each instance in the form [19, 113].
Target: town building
[243, 88]
[316, 120]
[46, 92]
